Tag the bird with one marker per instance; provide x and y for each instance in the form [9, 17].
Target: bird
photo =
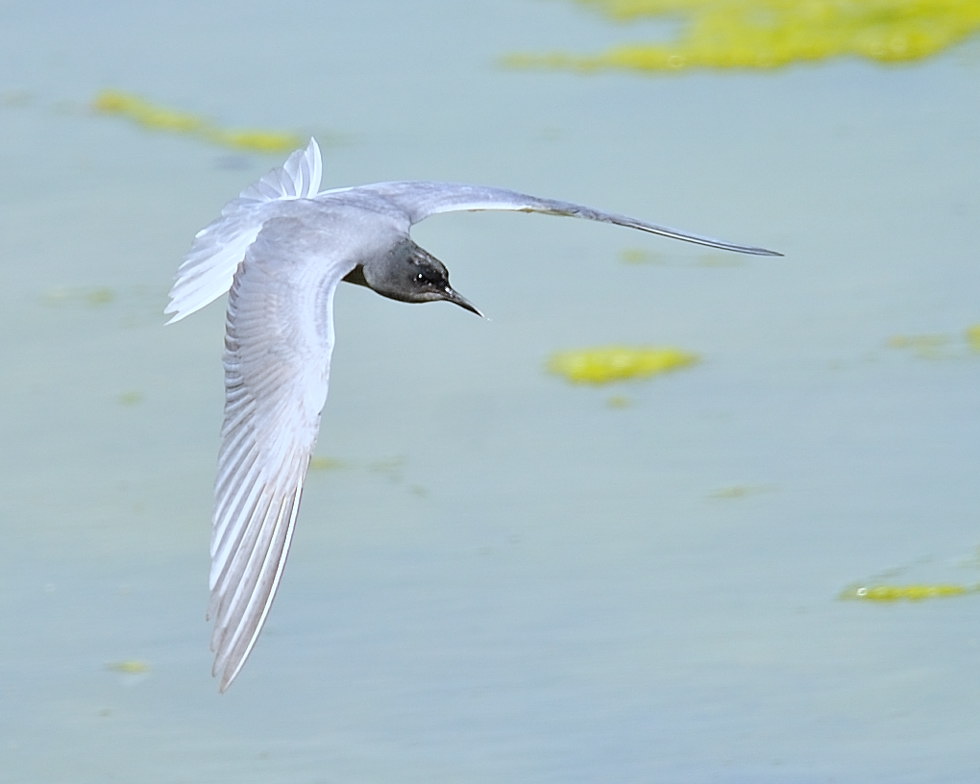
[280, 250]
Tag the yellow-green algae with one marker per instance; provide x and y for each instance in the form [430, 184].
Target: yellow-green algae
[937, 345]
[94, 296]
[914, 592]
[322, 463]
[160, 118]
[130, 398]
[758, 34]
[972, 334]
[129, 667]
[638, 256]
[606, 364]
[738, 491]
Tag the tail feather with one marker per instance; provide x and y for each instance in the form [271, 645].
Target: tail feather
[209, 267]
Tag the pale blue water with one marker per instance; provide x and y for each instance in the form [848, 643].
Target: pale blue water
[507, 580]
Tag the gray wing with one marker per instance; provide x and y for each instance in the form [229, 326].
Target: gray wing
[420, 199]
[277, 362]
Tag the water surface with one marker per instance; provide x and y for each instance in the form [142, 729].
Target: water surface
[506, 579]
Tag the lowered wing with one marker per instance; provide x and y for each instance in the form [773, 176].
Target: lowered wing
[277, 364]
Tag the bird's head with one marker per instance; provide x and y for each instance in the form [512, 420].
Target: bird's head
[409, 273]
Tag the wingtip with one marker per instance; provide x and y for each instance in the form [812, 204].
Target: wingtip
[225, 670]
[174, 315]
[223, 684]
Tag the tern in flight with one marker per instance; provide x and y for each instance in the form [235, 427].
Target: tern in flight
[280, 249]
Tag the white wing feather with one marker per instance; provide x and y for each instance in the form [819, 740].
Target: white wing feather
[277, 365]
[219, 248]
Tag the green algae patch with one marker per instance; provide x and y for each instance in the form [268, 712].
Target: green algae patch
[939, 345]
[641, 256]
[972, 334]
[731, 491]
[913, 592]
[607, 364]
[130, 398]
[129, 667]
[160, 118]
[322, 463]
[91, 296]
[767, 34]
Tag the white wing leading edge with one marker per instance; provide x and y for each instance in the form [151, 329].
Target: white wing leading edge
[277, 365]
[219, 248]
[420, 199]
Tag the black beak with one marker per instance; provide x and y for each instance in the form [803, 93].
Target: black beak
[451, 295]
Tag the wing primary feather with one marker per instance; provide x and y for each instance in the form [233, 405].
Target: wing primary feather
[419, 199]
[278, 342]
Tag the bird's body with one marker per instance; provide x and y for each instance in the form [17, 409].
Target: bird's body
[281, 249]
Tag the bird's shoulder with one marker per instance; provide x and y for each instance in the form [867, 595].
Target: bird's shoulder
[324, 231]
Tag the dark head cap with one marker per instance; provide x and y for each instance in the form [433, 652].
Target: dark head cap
[409, 273]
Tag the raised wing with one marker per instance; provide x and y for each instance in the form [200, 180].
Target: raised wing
[277, 364]
[219, 248]
[420, 199]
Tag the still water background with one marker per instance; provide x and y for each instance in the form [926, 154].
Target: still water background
[505, 578]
